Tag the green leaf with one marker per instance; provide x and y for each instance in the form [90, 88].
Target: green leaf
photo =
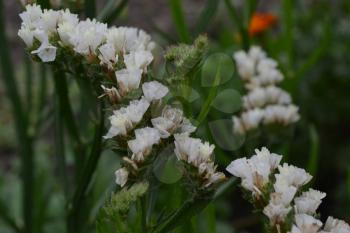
[221, 131]
[206, 16]
[228, 101]
[210, 217]
[166, 167]
[219, 72]
[179, 20]
[217, 64]
[314, 151]
[112, 10]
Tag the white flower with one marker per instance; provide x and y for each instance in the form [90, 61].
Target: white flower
[128, 80]
[31, 16]
[121, 176]
[186, 126]
[141, 146]
[334, 225]
[137, 109]
[120, 123]
[281, 114]
[252, 118]
[169, 121]
[255, 172]
[238, 126]
[192, 150]
[68, 17]
[306, 224]
[49, 20]
[154, 90]
[286, 191]
[308, 202]
[127, 39]
[46, 52]
[256, 53]
[66, 26]
[126, 118]
[292, 175]
[107, 55]
[245, 65]
[255, 99]
[27, 35]
[276, 211]
[138, 60]
[87, 36]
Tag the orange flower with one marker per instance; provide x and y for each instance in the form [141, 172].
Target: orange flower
[260, 22]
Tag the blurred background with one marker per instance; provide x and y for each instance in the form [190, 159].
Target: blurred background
[311, 41]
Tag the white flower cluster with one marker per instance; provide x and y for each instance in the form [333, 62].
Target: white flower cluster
[265, 103]
[257, 177]
[171, 121]
[198, 154]
[123, 50]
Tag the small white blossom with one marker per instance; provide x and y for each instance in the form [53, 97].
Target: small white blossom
[128, 80]
[121, 176]
[306, 224]
[49, 20]
[255, 172]
[87, 36]
[27, 35]
[308, 202]
[192, 150]
[141, 146]
[31, 16]
[276, 211]
[252, 118]
[107, 55]
[46, 52]
[138, 60]
[334, 225]
[127, 39]
[126, 118]
[281, 114]
[245, 65]
[292, 175]
[154, 90]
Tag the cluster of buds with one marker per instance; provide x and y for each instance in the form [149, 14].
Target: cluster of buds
[264, 103]
[274, 191]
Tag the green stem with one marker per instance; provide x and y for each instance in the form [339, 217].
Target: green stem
[212, 94]
[179, 20]
[60, 147]
[143, 214]
[239, 23]
[74, 216]
[67, 112]
[21, 125]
